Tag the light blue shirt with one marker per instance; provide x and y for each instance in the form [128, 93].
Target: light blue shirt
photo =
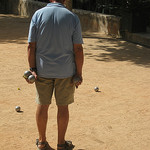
[55, 29]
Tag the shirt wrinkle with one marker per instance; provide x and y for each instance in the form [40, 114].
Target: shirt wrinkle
[55, 30]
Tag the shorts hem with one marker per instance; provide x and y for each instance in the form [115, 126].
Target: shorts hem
[61, 104]
[42, 103]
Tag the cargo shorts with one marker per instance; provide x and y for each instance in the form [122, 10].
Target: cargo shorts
[63, 90]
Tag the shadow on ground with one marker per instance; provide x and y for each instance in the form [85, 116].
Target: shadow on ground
[118, 50]
[13, 29]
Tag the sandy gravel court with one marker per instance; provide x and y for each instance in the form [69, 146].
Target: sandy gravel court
[115, 118]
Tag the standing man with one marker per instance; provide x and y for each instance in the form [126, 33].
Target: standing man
[55, 56]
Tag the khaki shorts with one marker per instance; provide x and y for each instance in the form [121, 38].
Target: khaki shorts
[63, 91]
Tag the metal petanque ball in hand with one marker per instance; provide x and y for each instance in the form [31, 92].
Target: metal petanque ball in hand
[76, 80]
[27, 74]
[31, 78]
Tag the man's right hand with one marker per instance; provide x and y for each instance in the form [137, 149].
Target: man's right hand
[77, 80]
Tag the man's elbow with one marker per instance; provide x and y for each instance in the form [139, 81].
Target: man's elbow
[78, 49]
[32, 46]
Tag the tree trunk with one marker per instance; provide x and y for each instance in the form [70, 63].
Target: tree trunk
[68, 4]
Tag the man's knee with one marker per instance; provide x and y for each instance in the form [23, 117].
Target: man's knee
[62, 109]
[42, 109]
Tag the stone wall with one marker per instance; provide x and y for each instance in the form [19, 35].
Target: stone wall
[20, 7]
[9, 6]
[28, 7]
[97, 22]
[90, 21]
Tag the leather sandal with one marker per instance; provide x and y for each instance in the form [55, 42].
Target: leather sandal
[67, 146]
[46, 145]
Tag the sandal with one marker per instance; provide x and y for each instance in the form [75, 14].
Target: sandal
[67, 146]
[46, 147]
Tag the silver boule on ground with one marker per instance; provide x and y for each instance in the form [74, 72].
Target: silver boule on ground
[17, 108]
[96, 89]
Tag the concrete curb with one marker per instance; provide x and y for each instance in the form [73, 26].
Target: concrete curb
[141, 38]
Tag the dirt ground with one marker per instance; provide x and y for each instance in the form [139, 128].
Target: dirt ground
[115, 118]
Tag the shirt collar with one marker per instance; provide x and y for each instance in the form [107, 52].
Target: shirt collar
[55, 4]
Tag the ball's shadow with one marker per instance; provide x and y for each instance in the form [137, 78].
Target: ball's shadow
[20, 111]
[98, 91]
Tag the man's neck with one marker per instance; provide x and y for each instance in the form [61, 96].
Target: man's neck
[53, 1]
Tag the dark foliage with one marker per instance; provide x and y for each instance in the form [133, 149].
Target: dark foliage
[46, 1]
[112, 6]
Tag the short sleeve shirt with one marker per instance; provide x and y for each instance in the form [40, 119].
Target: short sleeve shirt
[55, 29]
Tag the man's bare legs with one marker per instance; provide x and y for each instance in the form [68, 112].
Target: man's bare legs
[62, 122]
[41, 119]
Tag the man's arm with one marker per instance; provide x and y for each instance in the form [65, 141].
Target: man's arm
[79, 59]
[32, 56]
